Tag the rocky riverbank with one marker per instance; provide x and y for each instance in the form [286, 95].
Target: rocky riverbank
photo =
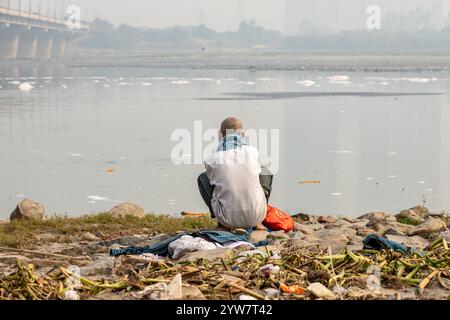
[323, 258]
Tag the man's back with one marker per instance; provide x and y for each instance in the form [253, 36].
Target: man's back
[238, 199]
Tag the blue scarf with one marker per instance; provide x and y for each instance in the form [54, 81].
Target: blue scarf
[231, 141]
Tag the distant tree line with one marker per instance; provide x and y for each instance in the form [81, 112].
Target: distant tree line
[104, 35]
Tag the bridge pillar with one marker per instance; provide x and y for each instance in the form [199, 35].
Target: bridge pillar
[59, 46]
[44, 45]
[28, 45]
[9, 42]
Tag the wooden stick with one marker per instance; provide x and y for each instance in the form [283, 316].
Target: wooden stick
[245, 290]
[61, 256]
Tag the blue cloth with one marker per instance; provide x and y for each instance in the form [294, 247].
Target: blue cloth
[162, 248]
[376, 242]
[231, 141]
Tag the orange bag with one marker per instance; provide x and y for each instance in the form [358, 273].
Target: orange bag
[278, 220]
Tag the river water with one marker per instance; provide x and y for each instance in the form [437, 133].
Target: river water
[93, 132]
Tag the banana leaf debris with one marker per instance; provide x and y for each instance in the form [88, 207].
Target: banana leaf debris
[280, 272]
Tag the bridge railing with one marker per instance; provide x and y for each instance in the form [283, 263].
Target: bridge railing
[29, 19]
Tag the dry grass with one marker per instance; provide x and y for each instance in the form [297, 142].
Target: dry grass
[23, 233]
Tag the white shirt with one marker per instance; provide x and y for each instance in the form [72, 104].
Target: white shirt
[238, 199]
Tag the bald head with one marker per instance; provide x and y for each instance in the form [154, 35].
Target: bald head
[231, 125]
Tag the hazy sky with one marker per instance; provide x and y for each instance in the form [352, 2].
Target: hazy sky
[224, 15]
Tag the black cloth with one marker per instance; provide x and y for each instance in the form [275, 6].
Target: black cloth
[206, 189]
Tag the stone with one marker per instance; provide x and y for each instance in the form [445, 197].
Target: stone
[219, 253]
[28, 210]
[277, 235]
[445, 235]
[320, 291]
[192, 293]
[414, 215]
[90, 237]
[303, 228]
[304, 217]
[364, 232]
[413, 242]
[258, 236]
[102, 266]
[299, 243]
[393, 232]
[296, 234]
[127, 209]
[326, 219]
[175, 288]
[374, 215]
[429, 227]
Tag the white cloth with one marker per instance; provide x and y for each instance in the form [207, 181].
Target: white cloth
[238, 200]
[189, 244]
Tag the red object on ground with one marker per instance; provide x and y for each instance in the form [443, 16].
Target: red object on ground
[278, 220]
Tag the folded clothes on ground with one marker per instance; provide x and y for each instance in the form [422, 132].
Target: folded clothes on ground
[162, 248]
[189, 244]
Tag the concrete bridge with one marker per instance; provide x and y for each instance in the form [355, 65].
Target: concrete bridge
[27, 35]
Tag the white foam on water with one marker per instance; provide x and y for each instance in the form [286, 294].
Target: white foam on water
[421, 182]
[429, 189]
[344, 152]
[383, 83]
[14, 82]
[99, 78]
[392, 176]
[124, 83]
[69, 78]
[96, 81]
[415, 80]
[337, 194]
[75, 154]
[218, 81]
[267, 79]
[25, 87]
[106, 85]
[181, 82]
[146, 84]
[158, 78]
[204, 79]
[376, 78]
[97, 198]
[47, 78]
[339, 78]
[306, 83]
[370, 179]
[393, 153]
[91, 201]
[247, 83]
[64, 86]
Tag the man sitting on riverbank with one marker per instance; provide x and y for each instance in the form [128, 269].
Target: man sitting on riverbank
[235, 187]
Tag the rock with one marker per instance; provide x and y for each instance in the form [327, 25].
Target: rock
[303, 228]
[102, 266]
[127, 209]
[299, 243]
[28, 210]
[157, 291]
[326, 219]
[258, 236]
[72, 251]
[192, 293]
[374, 215]
[445, 235]
[210, 255]
[45, 237]
[90, 237]
[278, 235]
[414, 215]
[413, 242]
[175, 288]
[393, 232]
[364, 232]
[305, 217]
[320, 291]
[429, 227]
[296, 234]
